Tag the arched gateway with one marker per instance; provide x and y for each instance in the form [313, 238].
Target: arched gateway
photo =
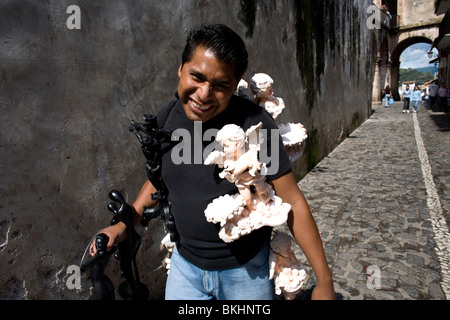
[406, 22]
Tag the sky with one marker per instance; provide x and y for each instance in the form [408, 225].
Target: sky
[416, 56]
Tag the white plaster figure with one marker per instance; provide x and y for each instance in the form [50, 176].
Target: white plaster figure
[294, 139]
[293, 134]
[169, 245]
[284, 267]
[256, 204]
[261, 86]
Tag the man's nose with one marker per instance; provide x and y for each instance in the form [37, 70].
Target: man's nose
[205, 91]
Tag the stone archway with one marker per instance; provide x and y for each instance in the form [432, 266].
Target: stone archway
[395, 60]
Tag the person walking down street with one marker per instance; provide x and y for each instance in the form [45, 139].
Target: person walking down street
[416, 97]
[433, 92]
[406, 97]
[387, 96]
[442, 93]
[202, 265]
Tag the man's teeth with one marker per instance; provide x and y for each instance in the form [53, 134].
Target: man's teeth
[203, 108]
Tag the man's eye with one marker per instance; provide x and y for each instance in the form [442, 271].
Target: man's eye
[220, 87]
[196, 77]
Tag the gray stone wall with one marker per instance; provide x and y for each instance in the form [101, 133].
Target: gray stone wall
[67, 97]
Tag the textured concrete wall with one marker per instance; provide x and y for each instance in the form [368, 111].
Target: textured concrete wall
[417, 12]
[67, 96]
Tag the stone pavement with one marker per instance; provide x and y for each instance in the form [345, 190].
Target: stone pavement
[381, 201]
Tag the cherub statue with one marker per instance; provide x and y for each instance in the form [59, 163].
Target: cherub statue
[284, 267]
[256, 204]
[169, 245]
[294, 135]
[261, 85]
[239, 159]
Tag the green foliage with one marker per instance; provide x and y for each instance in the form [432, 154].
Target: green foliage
[414, 75]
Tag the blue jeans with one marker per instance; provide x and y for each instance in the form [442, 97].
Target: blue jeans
[387, 97]
[406, 103]
[442, 103]
[248, 282]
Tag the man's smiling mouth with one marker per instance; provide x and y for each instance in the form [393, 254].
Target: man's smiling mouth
[200, 107]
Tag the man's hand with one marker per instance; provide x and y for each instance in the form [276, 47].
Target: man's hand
[116, 233]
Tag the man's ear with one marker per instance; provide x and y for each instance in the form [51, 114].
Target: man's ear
[179, 71]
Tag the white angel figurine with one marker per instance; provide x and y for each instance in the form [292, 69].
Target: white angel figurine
[239, 159]
[261, 85]
[294, 135]
[284, 267]
[169, 245]
[255, 205]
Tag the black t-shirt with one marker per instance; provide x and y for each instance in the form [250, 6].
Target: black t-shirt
[193, 185]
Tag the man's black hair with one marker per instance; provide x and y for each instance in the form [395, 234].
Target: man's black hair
[222, 41]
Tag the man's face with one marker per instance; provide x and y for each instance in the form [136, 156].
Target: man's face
[206, 85]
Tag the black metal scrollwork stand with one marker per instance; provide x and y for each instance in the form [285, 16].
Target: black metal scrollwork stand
[154, 142]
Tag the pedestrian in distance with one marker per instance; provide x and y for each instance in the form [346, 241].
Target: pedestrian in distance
[443, 97]
[406, 97]
[416, 97]
[433, 93]
[202, 265]
[387, 96]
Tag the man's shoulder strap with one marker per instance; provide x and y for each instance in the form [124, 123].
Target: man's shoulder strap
[164, 113]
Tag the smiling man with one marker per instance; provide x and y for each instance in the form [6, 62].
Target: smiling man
[206, 83]
[205, 86]
[203, 266]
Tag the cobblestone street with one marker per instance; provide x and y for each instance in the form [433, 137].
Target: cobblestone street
[381, 201]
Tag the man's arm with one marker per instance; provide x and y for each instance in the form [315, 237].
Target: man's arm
[304, 229]
[143, 200]
[117, 233]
